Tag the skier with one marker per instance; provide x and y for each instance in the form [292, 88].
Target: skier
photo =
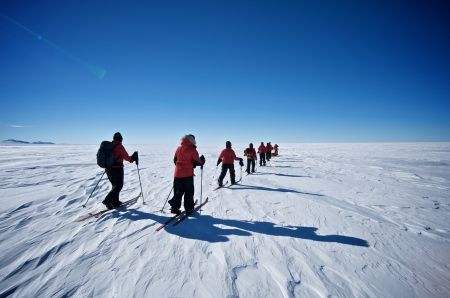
[262, 154]
[251, 158]
[227, 158]
[268, 151]
[186, 159]
[275, 150]
[115, 173]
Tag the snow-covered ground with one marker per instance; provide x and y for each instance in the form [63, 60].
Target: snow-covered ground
[323, 219]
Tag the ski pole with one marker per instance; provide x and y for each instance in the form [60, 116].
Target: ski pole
[241, 174]
[84, 205]
[166, 199]
[139, 175]
[201, 185]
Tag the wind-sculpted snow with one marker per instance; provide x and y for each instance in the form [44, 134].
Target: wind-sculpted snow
[320, 220]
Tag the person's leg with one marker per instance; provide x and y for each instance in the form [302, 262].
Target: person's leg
[263, 157]
[115, 176]
[178, 191]
[222, 174]
[188, 184]
[249, 161]
[118, 177]
[107, 201]
[232, 174]
[253, 165]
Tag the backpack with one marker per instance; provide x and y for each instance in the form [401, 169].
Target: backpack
[105, 157]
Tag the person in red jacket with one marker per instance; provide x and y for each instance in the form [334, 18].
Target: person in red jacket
[115, 173]
[251, 158]
[275, 150]
[268, 151]
[262, 154]
[186, 159]
[227, 158]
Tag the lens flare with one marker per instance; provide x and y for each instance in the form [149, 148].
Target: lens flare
[95, 70]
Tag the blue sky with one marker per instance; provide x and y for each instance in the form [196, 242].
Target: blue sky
[289, 71]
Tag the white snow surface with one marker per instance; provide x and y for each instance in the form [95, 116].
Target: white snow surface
[344, 220]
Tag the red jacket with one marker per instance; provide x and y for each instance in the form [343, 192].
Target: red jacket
[228, 156]
[269, 148]
[262, 149]
[186, 158]
[250, 153]
[120, 154]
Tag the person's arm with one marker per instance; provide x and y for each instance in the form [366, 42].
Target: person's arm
[197, 160]
[219, 160]
[123, 154]
[235, 157]
[175, 156]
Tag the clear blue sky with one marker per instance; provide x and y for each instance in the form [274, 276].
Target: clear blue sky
[288, 71]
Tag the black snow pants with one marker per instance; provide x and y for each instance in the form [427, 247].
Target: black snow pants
[225, 168]
[268, 155]
[250, 164]
[183, 186]
[115, 176]
[262, 159]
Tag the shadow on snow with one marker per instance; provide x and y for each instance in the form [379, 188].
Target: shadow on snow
[281, 175]
[279, 189]
[211, 229]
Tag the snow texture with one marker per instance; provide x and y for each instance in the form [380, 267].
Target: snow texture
[344, 220]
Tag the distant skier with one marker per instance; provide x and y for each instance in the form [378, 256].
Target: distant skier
[262, 154]
[251, 158]
[275, 150]
[186, 159]
[115, 173]
[268, 151]
[227, 158]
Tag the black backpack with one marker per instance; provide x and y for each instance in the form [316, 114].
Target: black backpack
[105, 157]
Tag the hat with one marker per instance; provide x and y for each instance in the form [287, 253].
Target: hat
[190, 138]
[117, 137]
[228, 144]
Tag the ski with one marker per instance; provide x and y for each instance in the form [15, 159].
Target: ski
[172, 219]
[184, 216]
[219, 187]
[99, 213]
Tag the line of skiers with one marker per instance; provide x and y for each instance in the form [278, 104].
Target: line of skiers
[186, 159]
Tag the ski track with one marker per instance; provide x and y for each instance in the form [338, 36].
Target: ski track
[345, 220]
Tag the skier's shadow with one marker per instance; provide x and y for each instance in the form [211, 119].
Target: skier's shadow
[279, 189]
[281, 175]
[211, 229]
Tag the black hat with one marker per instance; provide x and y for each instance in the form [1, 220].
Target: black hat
[228, 144]
[117, 137]
[251, 145]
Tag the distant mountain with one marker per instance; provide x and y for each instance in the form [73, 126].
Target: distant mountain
[20, 142]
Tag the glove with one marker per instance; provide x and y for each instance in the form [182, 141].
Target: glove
[135, 157]
[241, 162]
[202, 159]
[218, 162]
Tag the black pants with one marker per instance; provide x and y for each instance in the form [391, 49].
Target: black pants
[115, 176]
[183, 186]
[225, 168]
[250, 163]
[268, 155]
[262, 159]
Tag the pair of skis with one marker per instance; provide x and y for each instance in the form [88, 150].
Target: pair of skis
[226, 184]
[100, 213]
[178, 218]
